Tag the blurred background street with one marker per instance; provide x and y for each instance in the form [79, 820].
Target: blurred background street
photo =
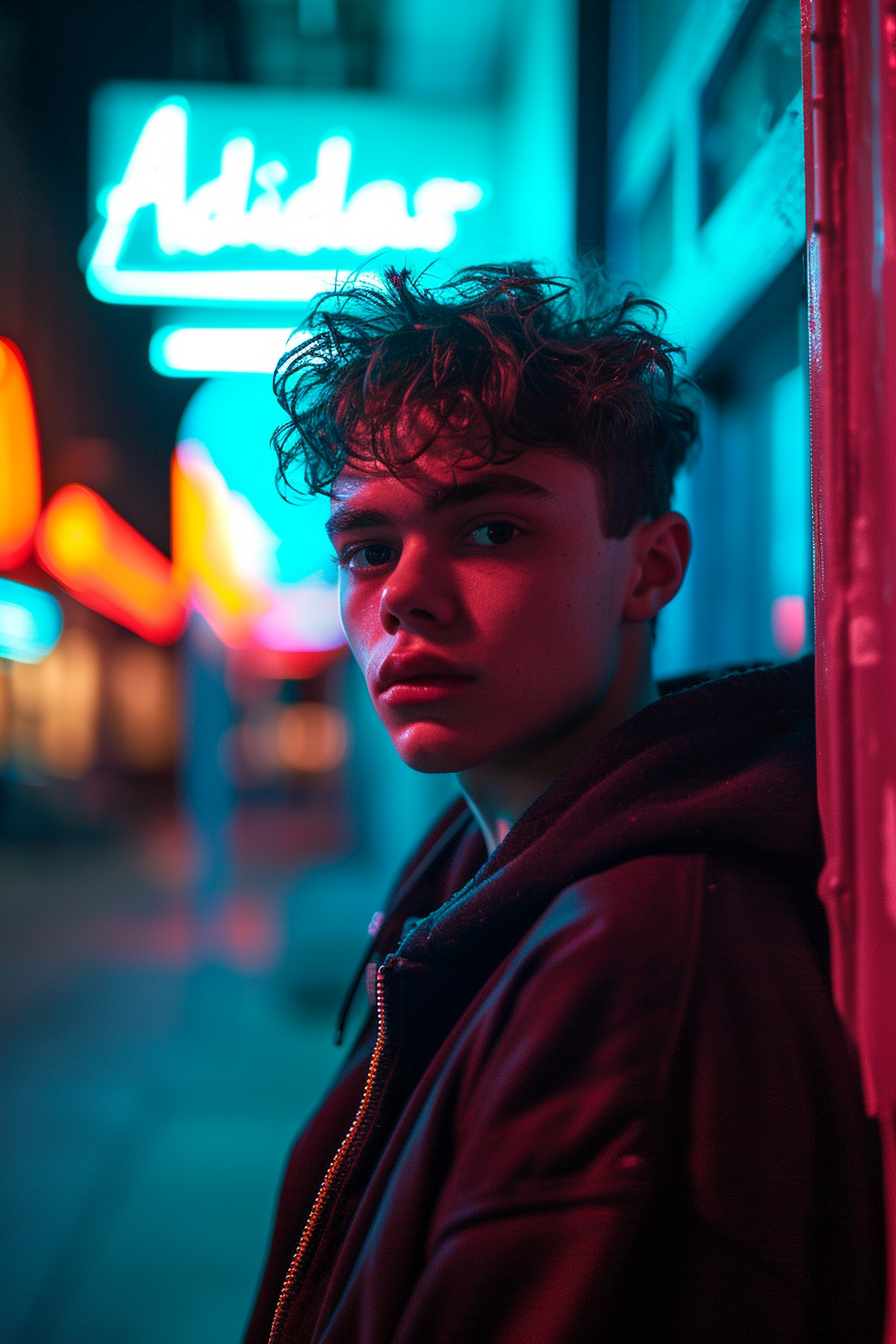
[154, 1077]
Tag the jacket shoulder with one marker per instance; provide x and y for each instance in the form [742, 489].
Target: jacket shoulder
[564, 1068]
[668, 984]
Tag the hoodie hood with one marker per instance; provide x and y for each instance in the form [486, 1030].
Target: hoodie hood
[727, 767]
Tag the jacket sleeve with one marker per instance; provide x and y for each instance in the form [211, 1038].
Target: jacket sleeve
[648, 1132]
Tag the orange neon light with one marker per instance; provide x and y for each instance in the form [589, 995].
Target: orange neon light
[202, 552]
[109, 566]
[20, 487]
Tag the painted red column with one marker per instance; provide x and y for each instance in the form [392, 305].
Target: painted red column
[849, 83]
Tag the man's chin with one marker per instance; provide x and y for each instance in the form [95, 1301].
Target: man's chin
[432, 749]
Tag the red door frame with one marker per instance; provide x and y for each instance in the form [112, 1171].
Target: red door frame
[849, 92]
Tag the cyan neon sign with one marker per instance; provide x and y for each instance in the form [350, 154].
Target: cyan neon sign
[251, 230]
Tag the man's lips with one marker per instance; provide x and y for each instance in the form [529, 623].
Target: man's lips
[415, 681]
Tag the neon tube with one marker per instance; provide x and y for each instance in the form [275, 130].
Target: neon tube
[20, 484]
[185, 352]
[105, 281]
[103, 562]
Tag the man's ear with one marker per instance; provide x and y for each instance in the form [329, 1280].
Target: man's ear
[661, 550]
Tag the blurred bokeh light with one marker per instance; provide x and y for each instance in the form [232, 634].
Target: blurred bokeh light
[55, 707]
[144, 708]
[104, 562]
[30, 622]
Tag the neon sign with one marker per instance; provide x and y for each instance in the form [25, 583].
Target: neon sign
[317, 216]
[196, 210]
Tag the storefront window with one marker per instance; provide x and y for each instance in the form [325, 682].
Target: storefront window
[656, 234]
[657, 21]
[752, 86]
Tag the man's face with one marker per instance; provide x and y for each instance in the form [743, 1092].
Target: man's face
[483, 603]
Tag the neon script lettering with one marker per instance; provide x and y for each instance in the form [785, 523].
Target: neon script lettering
[317, 216]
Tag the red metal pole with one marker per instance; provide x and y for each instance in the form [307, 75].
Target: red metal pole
[849, 85]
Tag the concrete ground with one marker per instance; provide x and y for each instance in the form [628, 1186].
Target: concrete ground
[154, 1076]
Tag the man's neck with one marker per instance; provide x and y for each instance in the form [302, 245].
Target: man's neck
[500, 791]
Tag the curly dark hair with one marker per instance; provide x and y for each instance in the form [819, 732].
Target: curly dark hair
[503, 356]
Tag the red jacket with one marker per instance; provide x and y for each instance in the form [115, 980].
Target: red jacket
[606, 1096]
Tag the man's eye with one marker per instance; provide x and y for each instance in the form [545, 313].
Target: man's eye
[494, 534]
[373, 555]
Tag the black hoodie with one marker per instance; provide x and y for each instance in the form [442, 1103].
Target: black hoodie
[606, 1095]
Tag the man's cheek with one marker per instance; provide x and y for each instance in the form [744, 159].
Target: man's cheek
[350, 613]
[363, 630]
[344, 618]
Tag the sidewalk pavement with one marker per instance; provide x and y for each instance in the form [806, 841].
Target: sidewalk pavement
[154, 1078]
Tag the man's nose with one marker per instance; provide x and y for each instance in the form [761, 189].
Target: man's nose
[418, 594]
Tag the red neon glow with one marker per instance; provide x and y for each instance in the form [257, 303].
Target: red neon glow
[20, 486]
[108, 566]
[279, 665]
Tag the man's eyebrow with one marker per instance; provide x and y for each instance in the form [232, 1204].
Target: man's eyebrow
[347, 519]
[495, 483]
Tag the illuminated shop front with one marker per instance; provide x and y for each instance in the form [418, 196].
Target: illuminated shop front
[706, 206]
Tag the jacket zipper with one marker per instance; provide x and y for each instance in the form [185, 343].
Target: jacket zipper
[325, 1194]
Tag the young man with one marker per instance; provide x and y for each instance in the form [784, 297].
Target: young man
[603, 1093]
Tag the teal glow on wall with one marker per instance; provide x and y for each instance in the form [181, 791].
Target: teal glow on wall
[234, 195]
[791, 517]
[233, 418]
[272, 557]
